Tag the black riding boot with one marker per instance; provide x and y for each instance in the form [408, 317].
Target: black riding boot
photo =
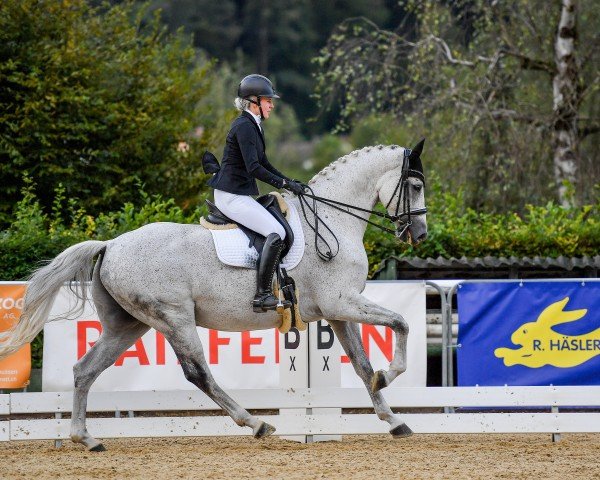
[269, 260]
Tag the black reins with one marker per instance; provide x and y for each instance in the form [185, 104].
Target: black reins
[405, 218]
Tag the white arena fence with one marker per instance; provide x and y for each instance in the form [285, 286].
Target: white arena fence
[524, 410]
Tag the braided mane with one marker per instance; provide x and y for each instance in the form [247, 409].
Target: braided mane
[329, 169]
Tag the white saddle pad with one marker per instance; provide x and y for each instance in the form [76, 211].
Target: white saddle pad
[232, 245]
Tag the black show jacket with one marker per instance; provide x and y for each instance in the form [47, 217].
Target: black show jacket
[244, 160]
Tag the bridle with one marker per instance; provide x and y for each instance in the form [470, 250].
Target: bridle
[404, 219]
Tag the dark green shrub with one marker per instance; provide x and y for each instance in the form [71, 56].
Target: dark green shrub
[95, 98]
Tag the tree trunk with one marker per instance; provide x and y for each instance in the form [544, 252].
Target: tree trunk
[566, 104]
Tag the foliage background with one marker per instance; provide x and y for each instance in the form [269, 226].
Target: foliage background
[476, 77]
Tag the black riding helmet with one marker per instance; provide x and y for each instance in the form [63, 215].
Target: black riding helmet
[258, 86]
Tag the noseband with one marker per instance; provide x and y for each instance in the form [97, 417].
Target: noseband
[403, 220]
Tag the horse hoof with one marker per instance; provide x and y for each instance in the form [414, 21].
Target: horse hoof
[263, 430]
[378, 381]
[401, 431]
[98, 448]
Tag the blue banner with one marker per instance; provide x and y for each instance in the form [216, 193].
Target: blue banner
[530, 333]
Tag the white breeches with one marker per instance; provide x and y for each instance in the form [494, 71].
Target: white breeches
[247, 211]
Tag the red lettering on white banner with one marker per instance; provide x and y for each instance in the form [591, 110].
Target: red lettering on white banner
[82, 331]
[83, 345]
[247, 341]
[160, 349]
[213, 345]
[139, 352]
[384, 344]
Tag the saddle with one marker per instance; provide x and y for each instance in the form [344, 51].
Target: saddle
[273, 203]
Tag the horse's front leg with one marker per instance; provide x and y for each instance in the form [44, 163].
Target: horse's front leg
[349, 336]
[358, 309]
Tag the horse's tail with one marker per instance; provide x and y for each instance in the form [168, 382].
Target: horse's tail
[75, 263]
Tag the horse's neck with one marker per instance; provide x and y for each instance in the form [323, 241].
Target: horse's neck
[354, 179]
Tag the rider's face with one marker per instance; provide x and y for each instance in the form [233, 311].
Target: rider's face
[267, 104]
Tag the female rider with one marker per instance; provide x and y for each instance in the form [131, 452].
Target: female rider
[244, 161]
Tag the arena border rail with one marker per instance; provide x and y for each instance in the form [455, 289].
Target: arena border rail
[550, 420]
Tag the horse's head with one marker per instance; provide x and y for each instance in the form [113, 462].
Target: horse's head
[402, 191]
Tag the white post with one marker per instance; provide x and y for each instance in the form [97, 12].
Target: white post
[293, 369]
[324, 368]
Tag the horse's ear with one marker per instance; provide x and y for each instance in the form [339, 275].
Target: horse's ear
[417, 150]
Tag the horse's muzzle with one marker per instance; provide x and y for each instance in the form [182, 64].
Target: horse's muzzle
[421, 238]
[413, 233]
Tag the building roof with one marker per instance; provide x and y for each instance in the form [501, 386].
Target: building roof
[488, 267]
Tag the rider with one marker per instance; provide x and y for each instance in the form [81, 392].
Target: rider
[244, 161]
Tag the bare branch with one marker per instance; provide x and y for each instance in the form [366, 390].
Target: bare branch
[399, 39]
[518, 116]
[588, 130]
[507, 114]
[448, 53]
[529, 63]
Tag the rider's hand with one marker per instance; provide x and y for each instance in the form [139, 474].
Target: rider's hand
[294, 187]
[304, 185]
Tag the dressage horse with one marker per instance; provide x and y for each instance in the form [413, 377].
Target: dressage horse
[167, 276]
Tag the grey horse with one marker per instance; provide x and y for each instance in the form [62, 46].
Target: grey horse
[167, 276]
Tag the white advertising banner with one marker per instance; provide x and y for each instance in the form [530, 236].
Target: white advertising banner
[236, 359]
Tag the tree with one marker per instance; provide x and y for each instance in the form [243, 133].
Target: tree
[277, 38]
[97, 100]
[515, 82]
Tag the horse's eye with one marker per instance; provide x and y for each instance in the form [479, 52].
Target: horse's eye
[418, 187]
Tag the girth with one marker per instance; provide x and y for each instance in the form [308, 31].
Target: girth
[256, 240]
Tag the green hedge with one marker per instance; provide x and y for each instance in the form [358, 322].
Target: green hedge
[35, 236]
[454, 231]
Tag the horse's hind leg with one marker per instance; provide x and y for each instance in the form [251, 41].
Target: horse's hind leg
[348, 335]
[187, 346]
[120, 330]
